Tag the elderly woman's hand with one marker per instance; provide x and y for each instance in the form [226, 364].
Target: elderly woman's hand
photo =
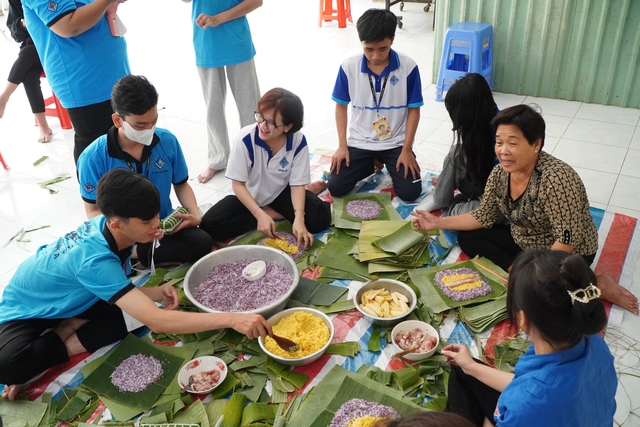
[425, 221]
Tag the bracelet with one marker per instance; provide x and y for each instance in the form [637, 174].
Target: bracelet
[255, 210]
[298, 210]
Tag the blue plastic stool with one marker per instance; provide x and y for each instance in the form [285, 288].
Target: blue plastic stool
[468, 48]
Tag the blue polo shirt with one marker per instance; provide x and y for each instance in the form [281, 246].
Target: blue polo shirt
[67, 277]
[227, 44]
[81, 70]
[264, 173]
[573, 387]
[162, 162]
[402, 90]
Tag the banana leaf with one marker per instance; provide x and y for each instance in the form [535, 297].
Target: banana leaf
[432, 296]
[315, 293]
[347, 348]
[99, 380]
[194, 414]
[22, 412]
[402, 240]
[336, 307]
[339, 207]
[483, 316]
[384, 215]
[337, 387]
[335, 255]
[119, 411]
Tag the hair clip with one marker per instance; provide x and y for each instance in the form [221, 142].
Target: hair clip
[589, 293]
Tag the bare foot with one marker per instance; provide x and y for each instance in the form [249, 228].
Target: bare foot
[45, 135]
[616, 294]
[316, 187]
[272, 213]
[68, 327]
[377, 166]
[11, 391]
[206, 175]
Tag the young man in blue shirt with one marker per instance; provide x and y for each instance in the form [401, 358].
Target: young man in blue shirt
[69, 297]
[385, 93]
[134, 143]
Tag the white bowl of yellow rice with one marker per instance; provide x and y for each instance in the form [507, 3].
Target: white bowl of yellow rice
[311, 329]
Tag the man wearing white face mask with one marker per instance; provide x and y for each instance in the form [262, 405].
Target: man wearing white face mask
[134, 143]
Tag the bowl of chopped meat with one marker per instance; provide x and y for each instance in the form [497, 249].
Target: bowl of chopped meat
[415, 340]
[216, 284]
[201, 375]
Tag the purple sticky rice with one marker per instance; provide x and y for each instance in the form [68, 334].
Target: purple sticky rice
[364, 209]
[464, 295]
[358, 408]
[136, 373]
[291, 239]
[226, 290]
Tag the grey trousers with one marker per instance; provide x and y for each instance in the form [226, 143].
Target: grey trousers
[243, 81]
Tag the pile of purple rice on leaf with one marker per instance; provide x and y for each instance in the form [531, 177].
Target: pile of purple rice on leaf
[358, 408]
[364, 209]
[136, 373]
[464, 295]
[226, 290]
[291, 239]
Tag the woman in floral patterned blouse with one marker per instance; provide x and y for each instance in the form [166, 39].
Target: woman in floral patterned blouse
[542, 197]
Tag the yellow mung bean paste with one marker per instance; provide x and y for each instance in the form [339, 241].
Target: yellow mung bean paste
[308, 331]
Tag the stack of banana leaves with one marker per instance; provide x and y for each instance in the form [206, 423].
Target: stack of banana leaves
[380, 249]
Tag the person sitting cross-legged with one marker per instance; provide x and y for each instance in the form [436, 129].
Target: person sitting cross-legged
[69, 297]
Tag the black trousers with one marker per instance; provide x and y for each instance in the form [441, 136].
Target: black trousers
[187, 245]
[496, 244]
[230, 218]
[471, 398]
[89, 122]
[361, 166]
[27, 70]
[27, 350]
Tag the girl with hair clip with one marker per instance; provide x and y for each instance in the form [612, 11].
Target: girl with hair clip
[472, 157]
[567, 376]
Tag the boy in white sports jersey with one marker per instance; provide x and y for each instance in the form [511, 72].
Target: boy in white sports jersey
[385, 93]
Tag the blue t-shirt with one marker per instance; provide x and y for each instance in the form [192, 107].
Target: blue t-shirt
[226, 44]
[573, 387]
[402, 90]
[66, 277]
[81, 70]
[162, 162]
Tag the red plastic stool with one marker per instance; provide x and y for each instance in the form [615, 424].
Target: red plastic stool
[57, 110]
[4, 165]
[340, 14]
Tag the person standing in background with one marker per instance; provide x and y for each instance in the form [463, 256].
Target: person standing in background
[224, 51]
[27, 69]
[81, 58]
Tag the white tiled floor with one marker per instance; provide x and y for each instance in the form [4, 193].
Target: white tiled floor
[601, 142]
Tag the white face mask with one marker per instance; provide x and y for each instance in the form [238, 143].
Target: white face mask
[144, 137]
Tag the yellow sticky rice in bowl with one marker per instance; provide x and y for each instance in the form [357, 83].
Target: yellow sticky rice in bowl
[303, 328]
[368, 421]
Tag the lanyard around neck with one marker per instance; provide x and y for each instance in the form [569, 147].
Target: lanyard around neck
[378, 101]
[132, 169]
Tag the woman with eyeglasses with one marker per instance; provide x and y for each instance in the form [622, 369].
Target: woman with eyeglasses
[567, 377]
[269, 169]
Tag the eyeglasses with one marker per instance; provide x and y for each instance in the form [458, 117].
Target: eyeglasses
[271, 125]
